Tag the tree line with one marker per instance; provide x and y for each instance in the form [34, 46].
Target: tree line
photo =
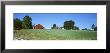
[69, 25]
[26, 23]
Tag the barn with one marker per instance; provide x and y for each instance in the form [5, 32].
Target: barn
[39, 26]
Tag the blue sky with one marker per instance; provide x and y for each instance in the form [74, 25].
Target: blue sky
[82, 20]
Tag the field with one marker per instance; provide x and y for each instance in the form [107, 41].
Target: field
[54, 34]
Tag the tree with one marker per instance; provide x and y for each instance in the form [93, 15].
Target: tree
[76, 28]
[69, 25]
[93, 26]
[95, 29]
[27, 22]
[54, 26]
[17, 24]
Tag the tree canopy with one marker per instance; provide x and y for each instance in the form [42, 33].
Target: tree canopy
[93, 26]
[17, 24]
[27, 22]
[69, 25]
[95, 29]
[54, 26]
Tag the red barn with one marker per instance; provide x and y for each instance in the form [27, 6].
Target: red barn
[39, 26]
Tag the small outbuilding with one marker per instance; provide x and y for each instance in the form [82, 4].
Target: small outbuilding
[39, 26]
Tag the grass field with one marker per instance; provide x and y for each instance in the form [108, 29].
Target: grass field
[54, 34]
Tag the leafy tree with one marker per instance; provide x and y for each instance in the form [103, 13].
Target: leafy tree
[54, 26]
[69, 25]
[95, 29]
[93, 26]
[27, 22]
[17, 24]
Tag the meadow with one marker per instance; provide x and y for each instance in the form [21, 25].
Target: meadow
[54, 34]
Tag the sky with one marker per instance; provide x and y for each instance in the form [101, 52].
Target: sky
[82, 20]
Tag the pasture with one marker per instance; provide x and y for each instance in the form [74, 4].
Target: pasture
[54, 34]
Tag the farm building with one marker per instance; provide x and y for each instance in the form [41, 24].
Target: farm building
[39, 26]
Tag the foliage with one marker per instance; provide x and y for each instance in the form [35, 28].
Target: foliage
[54, 26]
[93, 26]
[69, 25]
[95, 29]
[27, 22]
[17, 24]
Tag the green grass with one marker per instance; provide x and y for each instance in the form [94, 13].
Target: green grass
[54, 34]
